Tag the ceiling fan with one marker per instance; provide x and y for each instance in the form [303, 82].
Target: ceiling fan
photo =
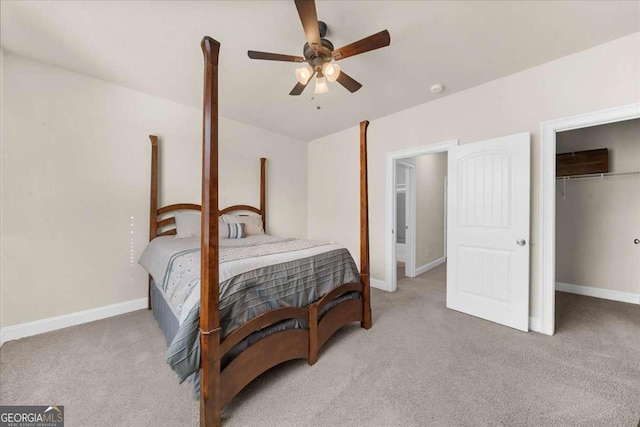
[319, 53]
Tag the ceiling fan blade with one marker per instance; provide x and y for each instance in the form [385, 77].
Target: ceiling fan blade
[309, 19]
[376, 41]
[350, 84]
[274, 56]
[299, 87]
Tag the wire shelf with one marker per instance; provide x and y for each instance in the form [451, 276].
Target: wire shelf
[595, 175]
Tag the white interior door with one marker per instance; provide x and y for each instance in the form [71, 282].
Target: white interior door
[405, 206]
[401, 224]
[488, 230]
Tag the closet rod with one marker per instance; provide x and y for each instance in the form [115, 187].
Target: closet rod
[594, 175]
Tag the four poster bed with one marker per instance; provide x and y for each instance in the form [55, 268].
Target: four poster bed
[262, 300]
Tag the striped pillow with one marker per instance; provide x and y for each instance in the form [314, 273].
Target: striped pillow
[236, 230]
[253, 223]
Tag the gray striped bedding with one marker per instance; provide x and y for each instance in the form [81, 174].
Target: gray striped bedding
[257, 274]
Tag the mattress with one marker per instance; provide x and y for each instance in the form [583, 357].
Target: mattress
[257, 274]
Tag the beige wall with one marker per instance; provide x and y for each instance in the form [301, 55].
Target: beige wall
[1, 127]
[75, 171]
[431, 171]
[598, 219]
[601, 77]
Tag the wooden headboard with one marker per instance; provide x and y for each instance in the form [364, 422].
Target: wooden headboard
[162, 220]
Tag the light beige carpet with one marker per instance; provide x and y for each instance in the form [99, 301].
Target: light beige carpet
[419, 365]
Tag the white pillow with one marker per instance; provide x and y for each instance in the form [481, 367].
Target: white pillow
[253, 223]
[187, 224]
[223, 229]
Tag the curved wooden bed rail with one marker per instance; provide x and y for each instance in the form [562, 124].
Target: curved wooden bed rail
[166, 226]
[260, 322]
[178, 207]
[336, 293]
[342, 314]
[260, 357]
[240, 208]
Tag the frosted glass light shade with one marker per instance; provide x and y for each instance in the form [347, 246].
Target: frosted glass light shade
[321, 85]
[304, 73]
[331, 71]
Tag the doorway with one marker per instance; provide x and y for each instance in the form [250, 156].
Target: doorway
[405, 218]
[597, 214]
[420, 214]
[416, 264]
[488, 226]
[547, 243]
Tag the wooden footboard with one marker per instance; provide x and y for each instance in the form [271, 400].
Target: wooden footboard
[258, 323]
[260, 357]
[263, 355]
[343, 313]
[289, 344]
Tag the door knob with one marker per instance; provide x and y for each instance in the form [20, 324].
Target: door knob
[636, 241]
[521, 242]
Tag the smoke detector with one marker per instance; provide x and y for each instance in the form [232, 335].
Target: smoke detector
[436, 88]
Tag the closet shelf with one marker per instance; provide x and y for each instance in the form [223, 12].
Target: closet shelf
[594, 175]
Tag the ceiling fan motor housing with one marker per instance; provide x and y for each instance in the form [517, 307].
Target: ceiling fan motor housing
[323, 54]
[316, 59]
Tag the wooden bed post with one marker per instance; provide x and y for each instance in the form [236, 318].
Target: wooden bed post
[364, 229]
[210, 397]
[153, 208]
[263, 192]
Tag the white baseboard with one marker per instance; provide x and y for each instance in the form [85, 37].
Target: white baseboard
[429, 266]
[598, 292]
[36, 327]
[379, 284]
[534, 324]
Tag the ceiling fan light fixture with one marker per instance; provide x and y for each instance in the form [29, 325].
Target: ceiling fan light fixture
[321, 85]
[304, 73]
[331, 71]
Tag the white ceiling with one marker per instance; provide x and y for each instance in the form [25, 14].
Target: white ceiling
[153, 47]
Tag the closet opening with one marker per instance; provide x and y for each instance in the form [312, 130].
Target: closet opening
[597, 223]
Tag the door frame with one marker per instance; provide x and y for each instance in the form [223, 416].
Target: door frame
[547, 180]
[410, 206]
[391, 279]
[446, 210]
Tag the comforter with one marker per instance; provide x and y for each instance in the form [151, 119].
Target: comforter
[257, 274]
